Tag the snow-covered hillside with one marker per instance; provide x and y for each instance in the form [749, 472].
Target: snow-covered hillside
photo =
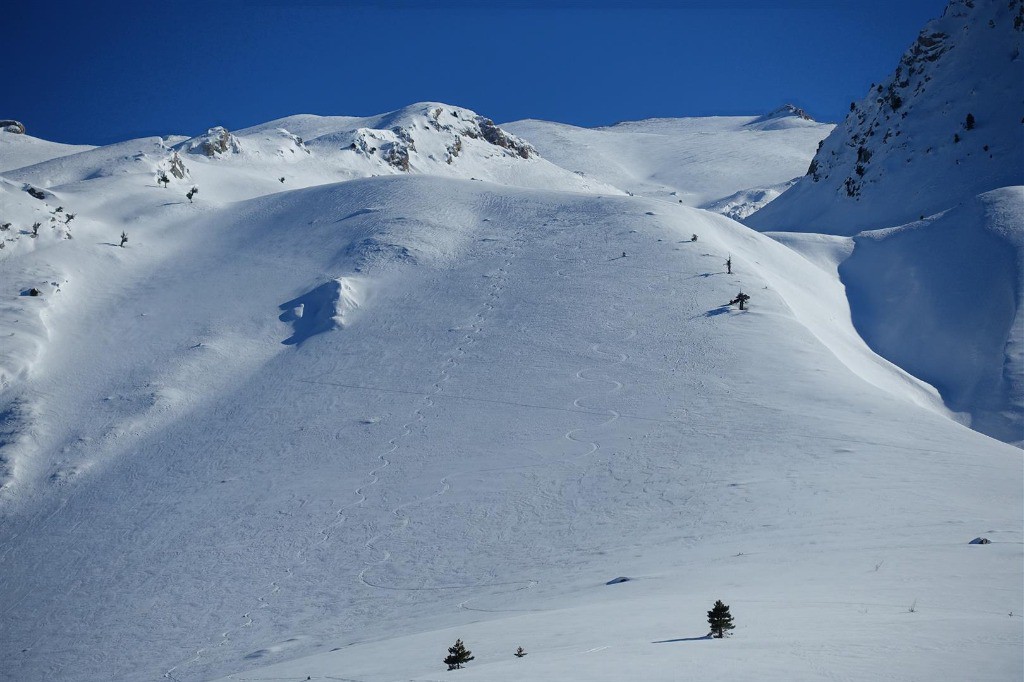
[962, 333]
[935, 202]
[18, 149]
[322, 427]
[908, 149]
[695, 161]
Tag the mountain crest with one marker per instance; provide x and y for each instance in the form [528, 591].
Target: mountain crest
[943, 127]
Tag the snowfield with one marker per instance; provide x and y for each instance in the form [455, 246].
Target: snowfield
[694, 161]
[386, 382]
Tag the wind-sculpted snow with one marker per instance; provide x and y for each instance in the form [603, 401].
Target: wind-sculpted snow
[934, 149]
[322, 309]
[952, 321]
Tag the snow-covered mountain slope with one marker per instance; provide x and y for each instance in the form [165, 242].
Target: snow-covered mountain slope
[698, 161]
[941, 294]
[411, 408]
[741, 204]
[323, 427]
[942, 299]
[962, 332]
[301, 151]
[19, 149]
[908, 149]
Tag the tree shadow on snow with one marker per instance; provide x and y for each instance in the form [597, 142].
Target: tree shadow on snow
[683, 639]
[720, 310]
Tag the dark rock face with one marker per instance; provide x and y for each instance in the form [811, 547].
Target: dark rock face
[498, 137]
[12, 126]
[35, 192]
[397, 155]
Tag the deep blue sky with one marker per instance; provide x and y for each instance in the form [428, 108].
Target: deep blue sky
[99, 72]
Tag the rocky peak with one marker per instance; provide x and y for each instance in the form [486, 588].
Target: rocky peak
[217, 140]
[944, 126]
[419, 130]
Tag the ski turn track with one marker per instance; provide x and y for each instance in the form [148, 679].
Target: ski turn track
[400, 512]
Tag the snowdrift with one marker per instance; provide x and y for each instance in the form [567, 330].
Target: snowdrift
[953, 321]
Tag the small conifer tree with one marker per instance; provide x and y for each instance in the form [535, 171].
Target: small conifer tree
[457, 655]
[124, 238]
[191, 193]
[720, 620]
[520, 652]
[162, 179]
[969, 122]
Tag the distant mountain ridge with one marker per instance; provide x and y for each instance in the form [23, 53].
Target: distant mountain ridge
[697, 161]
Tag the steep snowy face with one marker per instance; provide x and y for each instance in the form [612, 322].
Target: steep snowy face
[945, 126]
[955, 322]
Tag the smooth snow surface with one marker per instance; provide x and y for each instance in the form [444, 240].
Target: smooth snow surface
[953, 321]
[323, 427]
[694, 161]
[18, 150]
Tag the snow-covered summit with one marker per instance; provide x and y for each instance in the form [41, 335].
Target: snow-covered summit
[786, 116]
[19, 149]
[428, 138]
[694, 161]
[942, 128]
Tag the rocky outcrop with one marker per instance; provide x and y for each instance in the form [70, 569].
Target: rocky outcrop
[496, 136]
[178, 168]
[397, 155]
[12, 126]
[217, 141]
[411, 140]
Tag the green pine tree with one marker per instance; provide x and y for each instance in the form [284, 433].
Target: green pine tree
[720, 620]
[457, 655]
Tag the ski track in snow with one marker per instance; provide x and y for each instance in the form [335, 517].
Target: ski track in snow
[403, 519]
